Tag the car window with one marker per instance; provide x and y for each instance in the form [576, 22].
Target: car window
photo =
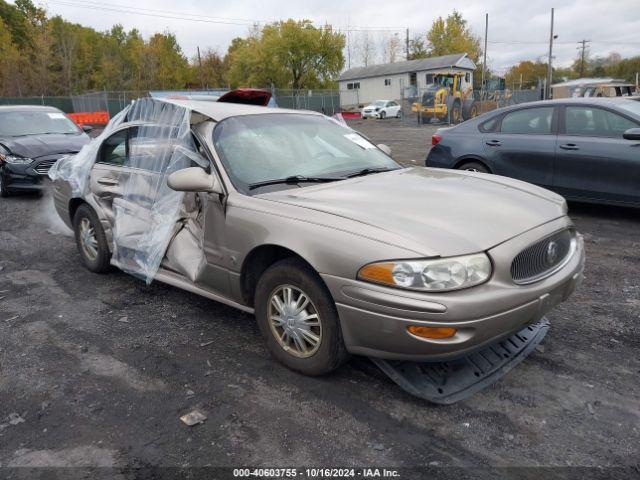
[533, 121]
[489, 125]
[34, 122]
[114, 149]
[595, 122]
[255, 148]
[393, 104]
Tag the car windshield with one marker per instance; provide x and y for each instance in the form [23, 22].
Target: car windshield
[379, 103]
[17, 123]
[260, 148]
[632, 106]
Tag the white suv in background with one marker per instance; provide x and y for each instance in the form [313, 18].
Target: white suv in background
[382, 109]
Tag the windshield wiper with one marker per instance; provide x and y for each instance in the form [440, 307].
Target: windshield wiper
[293, 180]
[369, 171]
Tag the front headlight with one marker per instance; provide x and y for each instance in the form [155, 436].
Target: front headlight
[438, 274]
[16, 160]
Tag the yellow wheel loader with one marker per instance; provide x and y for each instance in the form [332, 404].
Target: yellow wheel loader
[443, 100]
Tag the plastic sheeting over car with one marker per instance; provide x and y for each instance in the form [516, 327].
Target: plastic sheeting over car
[146, 211]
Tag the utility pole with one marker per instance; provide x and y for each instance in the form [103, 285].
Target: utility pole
[583, 48]
[348, 45]
[484, 60]
[547, 93]
[407, 44]
[200, 69]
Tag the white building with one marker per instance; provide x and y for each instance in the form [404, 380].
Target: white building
[363, 85]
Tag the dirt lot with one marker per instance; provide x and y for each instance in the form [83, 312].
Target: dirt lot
[97, 369]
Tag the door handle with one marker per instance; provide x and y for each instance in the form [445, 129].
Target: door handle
[109, 182]
[494, 143]
[569, 146]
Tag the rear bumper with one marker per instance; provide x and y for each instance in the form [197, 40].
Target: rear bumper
[374, 318]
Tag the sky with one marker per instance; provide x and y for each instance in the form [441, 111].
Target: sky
[518, 29]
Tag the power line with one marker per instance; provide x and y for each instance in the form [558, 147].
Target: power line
[196, 17]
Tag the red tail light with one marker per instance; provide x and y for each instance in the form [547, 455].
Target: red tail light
[435, 139]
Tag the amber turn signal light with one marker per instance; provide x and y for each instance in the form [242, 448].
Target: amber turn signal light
[378, 272]
[431, 332]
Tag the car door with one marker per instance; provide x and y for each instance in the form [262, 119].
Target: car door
[218, 262]
[593, 161]
[522, 145]
[392, 109]
[109, 174]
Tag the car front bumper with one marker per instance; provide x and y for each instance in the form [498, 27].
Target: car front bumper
[370, 114]
[375, 318]
[28, 177]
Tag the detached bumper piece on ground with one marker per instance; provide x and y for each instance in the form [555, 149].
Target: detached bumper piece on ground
[451, 381]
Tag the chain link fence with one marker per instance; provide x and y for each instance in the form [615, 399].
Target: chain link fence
[418, 105]
[324, 101]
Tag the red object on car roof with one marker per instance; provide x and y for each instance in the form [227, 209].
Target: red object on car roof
[247, 96]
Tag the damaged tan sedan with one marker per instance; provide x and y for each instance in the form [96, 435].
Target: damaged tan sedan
[441, 277]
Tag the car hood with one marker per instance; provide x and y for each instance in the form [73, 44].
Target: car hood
[437, 212]
[34, 146]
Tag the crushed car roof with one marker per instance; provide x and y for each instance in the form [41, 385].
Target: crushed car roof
[219, 111]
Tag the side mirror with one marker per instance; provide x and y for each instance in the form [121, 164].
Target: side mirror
[632, 134]
[87, 128]
[193, 179]
[385, 148]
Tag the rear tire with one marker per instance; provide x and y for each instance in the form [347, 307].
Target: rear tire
[474, 167]
[285, 328]
[91, 240]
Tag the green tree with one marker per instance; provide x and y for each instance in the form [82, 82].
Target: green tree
[526, 74]
[287, 54]
[11, 63]
[452, 35]
[417, 48]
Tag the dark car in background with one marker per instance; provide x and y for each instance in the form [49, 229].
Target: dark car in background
[32, 139]
[586, 149]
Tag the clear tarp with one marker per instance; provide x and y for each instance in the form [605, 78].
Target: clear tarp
[146, 212]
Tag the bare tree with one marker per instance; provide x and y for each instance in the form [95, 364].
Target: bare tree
[391, 49]
[366, 49]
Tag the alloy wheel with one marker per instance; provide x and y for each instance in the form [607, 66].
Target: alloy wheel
[88, 239]
[294, 320]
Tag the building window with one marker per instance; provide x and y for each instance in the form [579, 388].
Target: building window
[387, 82]
[353, 86]
[429, 78]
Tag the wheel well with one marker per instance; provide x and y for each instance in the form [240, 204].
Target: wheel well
[255, 264]
[74, 204]
[462, 161]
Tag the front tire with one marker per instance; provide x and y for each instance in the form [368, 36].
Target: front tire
[298, 318]
[91, 240]
[4, 193]
[383, 115]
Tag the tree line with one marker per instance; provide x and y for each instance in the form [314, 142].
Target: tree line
[42, 55]
[528, 74]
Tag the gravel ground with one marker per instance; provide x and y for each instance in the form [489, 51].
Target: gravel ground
[97, 369]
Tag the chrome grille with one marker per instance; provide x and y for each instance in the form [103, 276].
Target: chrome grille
[43, 167]
[543, 258]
